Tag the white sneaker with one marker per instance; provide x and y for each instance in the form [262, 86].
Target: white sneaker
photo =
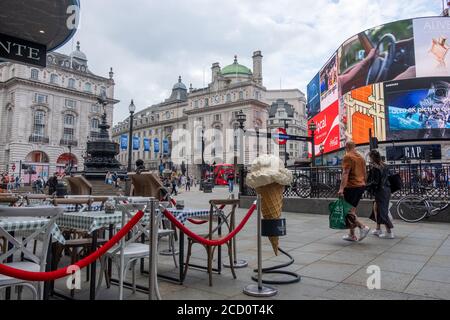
[376, 232]
[363, 233]
[350, 238]
[387, 235]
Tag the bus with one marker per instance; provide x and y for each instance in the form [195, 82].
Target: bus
[221, 172]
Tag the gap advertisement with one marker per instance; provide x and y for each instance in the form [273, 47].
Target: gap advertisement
[327, 132]
[418, 109]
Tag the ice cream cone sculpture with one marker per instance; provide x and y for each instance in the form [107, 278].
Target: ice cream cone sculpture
[268, 177]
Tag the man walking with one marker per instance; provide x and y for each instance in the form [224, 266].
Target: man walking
[352, 188]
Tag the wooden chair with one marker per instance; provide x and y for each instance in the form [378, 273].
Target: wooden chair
[217, 219]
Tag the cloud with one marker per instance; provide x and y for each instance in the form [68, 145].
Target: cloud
[150, 43]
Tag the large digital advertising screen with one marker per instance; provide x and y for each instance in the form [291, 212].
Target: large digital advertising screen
[327, 132]
[418, 108]
[392, 79]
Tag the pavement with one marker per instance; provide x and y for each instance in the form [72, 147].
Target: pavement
[415, 265]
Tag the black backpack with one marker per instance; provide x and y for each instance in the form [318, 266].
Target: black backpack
[395, 181]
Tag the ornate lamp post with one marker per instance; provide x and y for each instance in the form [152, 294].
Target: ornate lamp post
[322, 149]
[312, 127]
[241, 118]
[132, 109]
[286, 126]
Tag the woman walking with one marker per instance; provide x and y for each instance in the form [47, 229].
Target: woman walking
[378, 185]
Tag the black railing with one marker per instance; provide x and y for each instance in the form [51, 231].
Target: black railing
[65, 142]
[38, 139]
[323, 182]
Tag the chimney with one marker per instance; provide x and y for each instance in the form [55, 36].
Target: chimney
[215, 71]
[257, 67]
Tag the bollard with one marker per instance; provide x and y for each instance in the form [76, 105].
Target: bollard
[259, 290]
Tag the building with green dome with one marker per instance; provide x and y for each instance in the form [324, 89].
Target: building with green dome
[212, 109]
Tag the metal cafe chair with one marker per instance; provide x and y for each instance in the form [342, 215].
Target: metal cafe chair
[35, 262]
[216, 214]
[127, 253]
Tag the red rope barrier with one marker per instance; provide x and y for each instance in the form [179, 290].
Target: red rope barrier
[200, 221]
[61, 273]
[208, 242]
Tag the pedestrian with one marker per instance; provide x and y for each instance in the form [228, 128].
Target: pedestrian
[115, 178]
[230, 181]
[139, 166]
[17, 183]
[52, 183]
[174, 186]
[353, 185]
[39, 185]
[108, 178]
[188, 183]
[378, 185]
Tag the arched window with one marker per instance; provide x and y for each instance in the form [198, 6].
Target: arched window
[39, 123]
[54, 79]
[102, 91]
[69, 120]
[71, 84]
[241, 95]
[35, 74]
[94, 128]
[87, 87]
[228, 97]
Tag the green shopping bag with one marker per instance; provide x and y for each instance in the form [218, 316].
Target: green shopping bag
[338, 212]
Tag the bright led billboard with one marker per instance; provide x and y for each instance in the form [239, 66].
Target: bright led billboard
[393, 79]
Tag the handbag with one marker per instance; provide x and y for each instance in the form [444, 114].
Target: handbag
[338, 213]
[395, 182]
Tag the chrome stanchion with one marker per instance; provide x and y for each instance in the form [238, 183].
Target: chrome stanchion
[153, 245]
[258, 290]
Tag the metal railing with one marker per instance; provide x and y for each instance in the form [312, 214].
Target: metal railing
[66, 142]
[38, 139]
[324, 182]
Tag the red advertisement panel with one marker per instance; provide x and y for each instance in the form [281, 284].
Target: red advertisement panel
[327, 132]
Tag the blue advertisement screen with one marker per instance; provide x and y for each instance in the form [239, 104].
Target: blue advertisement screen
[136, 143]
[165, 146]
[418, 109]
[146, 144]
[123, 142]
[156, 145]
[313, 92]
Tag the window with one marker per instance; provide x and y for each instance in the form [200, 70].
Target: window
[39, 123]
[228, 97]
[217, 117]
[68, 134]
[196, 104]
[40, 98]
[167, 115]
[34, 74]
[94, 123]
[71, 84]
[95, 108]
[54, 79]
[87, 87]
[241, 95]
[71, 104]
[69, 119]
[206, 102]
[102, 91]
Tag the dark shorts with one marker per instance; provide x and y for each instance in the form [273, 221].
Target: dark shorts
[353, 195]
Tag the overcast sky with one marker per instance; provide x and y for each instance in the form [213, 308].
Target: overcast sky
[150, 42]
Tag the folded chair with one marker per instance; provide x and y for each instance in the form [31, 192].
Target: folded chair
[32, 261]
[217, 219]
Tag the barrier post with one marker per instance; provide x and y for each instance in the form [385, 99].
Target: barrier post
[153, 235]
[259, 290]
[236, 263]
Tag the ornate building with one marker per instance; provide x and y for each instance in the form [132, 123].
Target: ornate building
[189, 114]
[48, 114]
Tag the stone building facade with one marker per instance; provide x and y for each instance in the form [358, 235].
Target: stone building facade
[48, 114]
[189, 114]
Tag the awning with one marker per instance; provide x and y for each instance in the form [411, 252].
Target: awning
[47, 22]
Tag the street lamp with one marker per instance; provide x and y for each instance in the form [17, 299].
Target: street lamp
[70, 159]
[322, 149]
[312, 127]
[241, 118]
[132, 109]
[286, 126]
[257, 141]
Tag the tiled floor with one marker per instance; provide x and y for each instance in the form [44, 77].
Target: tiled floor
[416, 265]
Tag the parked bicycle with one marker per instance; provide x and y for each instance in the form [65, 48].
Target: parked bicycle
[413, 208]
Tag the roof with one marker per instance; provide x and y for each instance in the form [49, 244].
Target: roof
[236, 69]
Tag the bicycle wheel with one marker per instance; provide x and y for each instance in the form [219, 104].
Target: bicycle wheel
[412, 209]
